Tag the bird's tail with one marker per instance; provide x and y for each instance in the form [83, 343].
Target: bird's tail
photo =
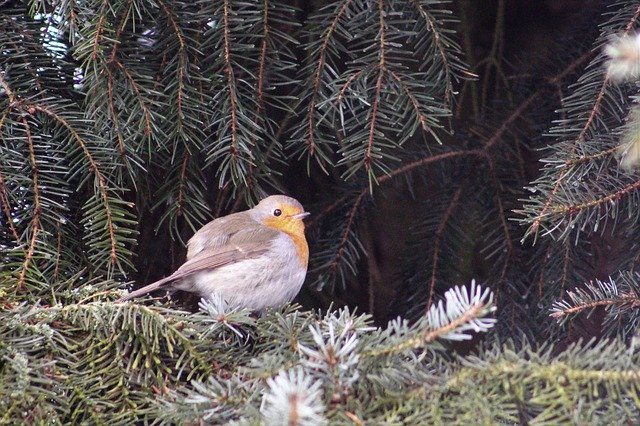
[146, 289]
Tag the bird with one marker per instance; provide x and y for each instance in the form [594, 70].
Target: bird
[254, 259]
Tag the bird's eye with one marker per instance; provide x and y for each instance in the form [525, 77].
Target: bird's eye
[277, 212]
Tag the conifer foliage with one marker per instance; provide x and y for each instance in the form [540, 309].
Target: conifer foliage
[474, 199]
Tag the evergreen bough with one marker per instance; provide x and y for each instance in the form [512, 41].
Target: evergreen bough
[122, 121]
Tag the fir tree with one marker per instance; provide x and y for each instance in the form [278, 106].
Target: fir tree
[474, 198]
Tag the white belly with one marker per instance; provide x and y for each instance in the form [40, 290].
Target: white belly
[270, 280]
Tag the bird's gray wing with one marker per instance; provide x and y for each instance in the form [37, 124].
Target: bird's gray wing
[209, 259]
[218, 232]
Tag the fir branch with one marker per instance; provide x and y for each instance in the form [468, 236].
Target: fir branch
[573, 209]
[339, 253]
[182, 184]
[231, 83]
[99, 29]
[438, 235]
[137, 90]
[184, 190]
[321, 62]
[367, 159]
[446, 48]
[388, 177]
[598, 293]
[37, 207]
[463, 310]
[588, 128]
[517, 113]
[182, 60]
[6, 208]
[335, 263]
[485, 154]
[293, 399]
[507, 236]
[101, 180]
[114, 114]
[264, 45]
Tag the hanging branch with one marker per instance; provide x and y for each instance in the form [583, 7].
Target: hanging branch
[37, 207]
[555, 206]
[438, 235]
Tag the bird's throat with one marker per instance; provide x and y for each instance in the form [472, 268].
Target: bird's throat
[295, 230]
[302, 248]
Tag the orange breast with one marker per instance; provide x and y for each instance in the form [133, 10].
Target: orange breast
[294, 229]
[301, 247]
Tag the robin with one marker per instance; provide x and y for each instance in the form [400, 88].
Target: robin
[254, 259]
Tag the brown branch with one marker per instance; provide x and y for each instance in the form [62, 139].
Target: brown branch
[330, 208]
[354, 418]
[517, 113]
[6, 208]
[123, 23]
[228, 69]
[376, 100]
[429, 336]
[333, 266]
[407, 168]
[581, 137]
[438, 240]
[326, 36]
[416, 105]
[573, 209]
[95, 169]
[346, 85]
[374, 119]
[410, 167]
[573, 66]
[181, 56]
[138, 93]
[37, 206]
[114, 115]
[440, 47]
[592, 157]
[99, 30]
[263, 55]
[624, 300]
[181, 186]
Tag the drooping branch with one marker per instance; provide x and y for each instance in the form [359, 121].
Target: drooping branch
[95, 169]
[586, 128]
[37, 206]
[321, 62]
[438, 235]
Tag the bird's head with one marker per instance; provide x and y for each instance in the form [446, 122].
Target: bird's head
[285, 214]
[280, 212]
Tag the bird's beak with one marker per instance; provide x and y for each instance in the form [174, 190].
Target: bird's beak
[300, 215]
